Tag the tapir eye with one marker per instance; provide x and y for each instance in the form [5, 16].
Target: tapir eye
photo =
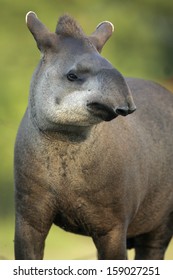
[72, 77]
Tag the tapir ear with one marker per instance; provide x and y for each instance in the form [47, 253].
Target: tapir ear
[102, 33]
[43, 37]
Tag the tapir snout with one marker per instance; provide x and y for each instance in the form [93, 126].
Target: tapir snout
[114, 98]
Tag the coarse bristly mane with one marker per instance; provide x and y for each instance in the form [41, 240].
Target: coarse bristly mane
[67, 26]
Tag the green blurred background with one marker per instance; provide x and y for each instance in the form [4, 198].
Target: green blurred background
[142, 46]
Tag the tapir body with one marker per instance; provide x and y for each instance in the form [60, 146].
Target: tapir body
[80, 163]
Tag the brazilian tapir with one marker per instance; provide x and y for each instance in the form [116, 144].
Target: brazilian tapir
[80, 163]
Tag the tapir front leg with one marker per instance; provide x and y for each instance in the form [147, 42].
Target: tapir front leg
[34, 217]
[111, 246]
[29, 242]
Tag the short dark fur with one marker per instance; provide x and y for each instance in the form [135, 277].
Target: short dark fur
[67, 26]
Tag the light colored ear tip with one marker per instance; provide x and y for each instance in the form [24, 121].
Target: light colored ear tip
[28, 14]
[106, 22]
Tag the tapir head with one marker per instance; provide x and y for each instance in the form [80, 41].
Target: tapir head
[73, 85]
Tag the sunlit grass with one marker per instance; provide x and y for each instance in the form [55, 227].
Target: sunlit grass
[64, 245]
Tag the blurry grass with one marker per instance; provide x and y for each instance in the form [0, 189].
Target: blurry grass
[65, 245]
[60, 245]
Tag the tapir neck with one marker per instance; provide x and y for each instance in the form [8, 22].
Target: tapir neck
[69, 134]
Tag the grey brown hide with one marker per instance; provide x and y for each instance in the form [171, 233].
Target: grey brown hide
[82, 160]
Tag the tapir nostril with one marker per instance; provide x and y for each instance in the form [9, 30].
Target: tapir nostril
[123, 111]
[131, 110]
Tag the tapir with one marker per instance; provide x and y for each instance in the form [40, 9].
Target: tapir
[85, 159]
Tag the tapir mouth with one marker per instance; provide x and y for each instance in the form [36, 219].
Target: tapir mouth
[108, 113]
[102, 111]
